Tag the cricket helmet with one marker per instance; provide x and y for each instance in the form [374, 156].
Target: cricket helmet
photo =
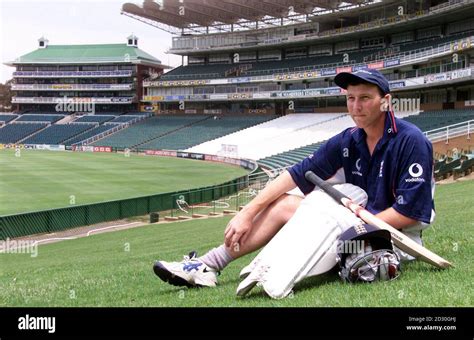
[365, 254]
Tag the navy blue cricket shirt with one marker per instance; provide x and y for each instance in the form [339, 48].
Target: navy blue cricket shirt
[399, 173]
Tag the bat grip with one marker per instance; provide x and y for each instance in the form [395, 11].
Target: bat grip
[328, 188]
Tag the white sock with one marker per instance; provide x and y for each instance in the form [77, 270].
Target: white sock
[217, 258]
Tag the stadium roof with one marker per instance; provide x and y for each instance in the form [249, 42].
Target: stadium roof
[88, 54]
[186, 14]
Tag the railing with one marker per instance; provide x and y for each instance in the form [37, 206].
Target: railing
[223, 199]
[70, 87]
[76, 100]
[189, 76]
[65, 74]
[77, 59]
[451, 131]
[239, 68]
[118, 126]
[104, 134]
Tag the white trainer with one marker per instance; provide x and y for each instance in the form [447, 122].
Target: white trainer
[191, 272]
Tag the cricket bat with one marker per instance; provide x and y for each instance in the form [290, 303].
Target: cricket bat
[401, 240]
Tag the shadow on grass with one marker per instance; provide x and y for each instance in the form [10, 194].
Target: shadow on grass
[168, 289]
[316, 281]
[310, 283]
[306, 284]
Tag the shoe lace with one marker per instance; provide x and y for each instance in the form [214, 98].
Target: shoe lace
[191, 256]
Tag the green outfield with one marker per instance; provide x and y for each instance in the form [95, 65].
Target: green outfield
[37, 180]
[115, 269]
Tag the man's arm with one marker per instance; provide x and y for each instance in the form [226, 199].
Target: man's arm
[395, 219]
[270, 193]
[414, 187]
[242, 222]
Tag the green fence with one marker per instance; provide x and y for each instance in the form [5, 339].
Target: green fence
[75, 216]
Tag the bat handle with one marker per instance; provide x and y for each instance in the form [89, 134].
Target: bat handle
[328, 188]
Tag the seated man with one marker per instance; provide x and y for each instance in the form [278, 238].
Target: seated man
[390, 159]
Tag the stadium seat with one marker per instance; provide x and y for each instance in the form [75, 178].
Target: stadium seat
[272, 137]
[204, 130]
[56, 134]
[15, 132]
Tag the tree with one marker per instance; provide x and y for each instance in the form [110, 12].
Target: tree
[6, 96]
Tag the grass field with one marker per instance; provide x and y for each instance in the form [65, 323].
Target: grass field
[115, 269]
[39, 180]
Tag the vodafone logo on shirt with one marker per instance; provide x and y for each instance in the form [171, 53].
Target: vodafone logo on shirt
[357, 165]
[415, 170]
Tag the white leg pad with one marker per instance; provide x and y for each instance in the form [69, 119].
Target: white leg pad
[304, 246]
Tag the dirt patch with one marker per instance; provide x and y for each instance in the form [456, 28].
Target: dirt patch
[450, 179]
[466, 178]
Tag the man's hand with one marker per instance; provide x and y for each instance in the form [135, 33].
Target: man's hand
[238, 229]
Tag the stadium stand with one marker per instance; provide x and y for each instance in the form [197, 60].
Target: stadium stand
[56, 134]
[430, 120]
[445, 169]
[198, 71]
[433, 42]
[212, 71]
[305, 136]
[123, 119]
[149, 129]
[246, 139]
[15, 132]
[94, 119]
[35, 112]
[282, 134]
[137, 113]
[39, 118]
[112, 113]
[89, 134]
[204, 130]
[6, 118]
[466, 167]
[282, 160]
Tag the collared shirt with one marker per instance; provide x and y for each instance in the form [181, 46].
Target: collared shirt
[398, 174]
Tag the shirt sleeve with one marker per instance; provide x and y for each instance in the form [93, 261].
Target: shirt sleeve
[324, 162]
[414, 187]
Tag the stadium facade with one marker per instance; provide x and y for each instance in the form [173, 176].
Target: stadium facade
[279, 57]
[107, 77]
[248, 65]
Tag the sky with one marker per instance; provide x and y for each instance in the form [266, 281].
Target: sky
[70, 22]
